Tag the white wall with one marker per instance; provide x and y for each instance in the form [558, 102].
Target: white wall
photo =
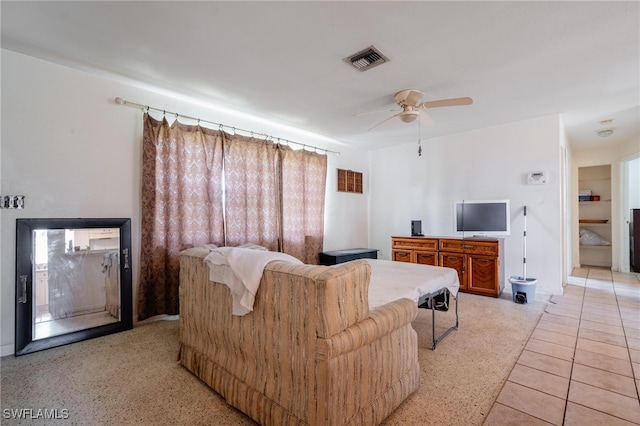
[73, 152]
[490, 163]
[346, 217]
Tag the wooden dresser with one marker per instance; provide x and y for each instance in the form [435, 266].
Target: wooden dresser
[479, 261]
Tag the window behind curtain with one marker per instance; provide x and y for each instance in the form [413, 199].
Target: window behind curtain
[251, 191]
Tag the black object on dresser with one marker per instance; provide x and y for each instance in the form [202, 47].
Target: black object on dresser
[341, 256]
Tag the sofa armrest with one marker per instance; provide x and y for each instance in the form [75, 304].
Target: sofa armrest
[342, 297]
[382, 321]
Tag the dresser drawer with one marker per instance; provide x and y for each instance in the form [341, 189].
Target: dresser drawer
[425, 244]
[488, 248]
[401, 256]
[427, 258]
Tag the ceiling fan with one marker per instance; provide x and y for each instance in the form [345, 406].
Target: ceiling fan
[411, 107]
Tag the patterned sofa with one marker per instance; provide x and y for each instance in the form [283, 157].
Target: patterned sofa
[310, 353]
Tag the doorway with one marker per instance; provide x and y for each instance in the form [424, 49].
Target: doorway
[630, 201]
[594, 213]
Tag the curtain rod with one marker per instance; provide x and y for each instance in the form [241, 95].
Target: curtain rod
[121, 101]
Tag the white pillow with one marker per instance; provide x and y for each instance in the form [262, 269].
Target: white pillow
[590, 238]
[253, 246]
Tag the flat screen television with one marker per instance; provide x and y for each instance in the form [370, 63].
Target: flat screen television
[482, 217]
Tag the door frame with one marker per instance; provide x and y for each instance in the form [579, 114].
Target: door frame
[625, 207]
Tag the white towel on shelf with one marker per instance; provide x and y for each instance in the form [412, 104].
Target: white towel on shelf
[241, 270]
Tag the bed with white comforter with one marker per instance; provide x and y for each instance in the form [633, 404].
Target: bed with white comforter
[240, 268]
[395, 280]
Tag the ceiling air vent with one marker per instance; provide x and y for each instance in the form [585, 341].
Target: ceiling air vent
[367, 59]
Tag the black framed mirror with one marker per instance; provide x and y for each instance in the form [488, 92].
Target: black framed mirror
[73, 281]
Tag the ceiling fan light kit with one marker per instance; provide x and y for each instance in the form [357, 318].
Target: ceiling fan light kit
[604, 133]
[408, 115]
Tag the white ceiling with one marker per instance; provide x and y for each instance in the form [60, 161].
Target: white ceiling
[284, 60]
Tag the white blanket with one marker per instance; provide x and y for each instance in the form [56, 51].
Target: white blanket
[241, 270]
[396, 280]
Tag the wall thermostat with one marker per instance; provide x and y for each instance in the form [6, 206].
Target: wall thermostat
[536, 178]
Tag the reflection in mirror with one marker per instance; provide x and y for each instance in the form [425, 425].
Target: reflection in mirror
[76, 279]
[73, 281]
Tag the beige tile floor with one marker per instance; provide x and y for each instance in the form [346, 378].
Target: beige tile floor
[581, 365]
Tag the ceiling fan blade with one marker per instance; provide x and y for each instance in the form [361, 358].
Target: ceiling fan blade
[447, 102]
[426, 120]
[413, 98]
[409, 97]
[375, 112]
[381, 123]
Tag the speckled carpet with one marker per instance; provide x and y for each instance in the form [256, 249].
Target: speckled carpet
[133, 378]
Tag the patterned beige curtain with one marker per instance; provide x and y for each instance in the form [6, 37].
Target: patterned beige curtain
[251, 191]
[264, 194]
[181, 206]
[304, 176]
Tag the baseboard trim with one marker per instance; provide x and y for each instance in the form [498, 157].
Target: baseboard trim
[7, 349]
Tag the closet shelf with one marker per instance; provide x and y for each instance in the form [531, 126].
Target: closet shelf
[586, 246]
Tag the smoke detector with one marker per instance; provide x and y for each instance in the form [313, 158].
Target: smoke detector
[604, 133]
